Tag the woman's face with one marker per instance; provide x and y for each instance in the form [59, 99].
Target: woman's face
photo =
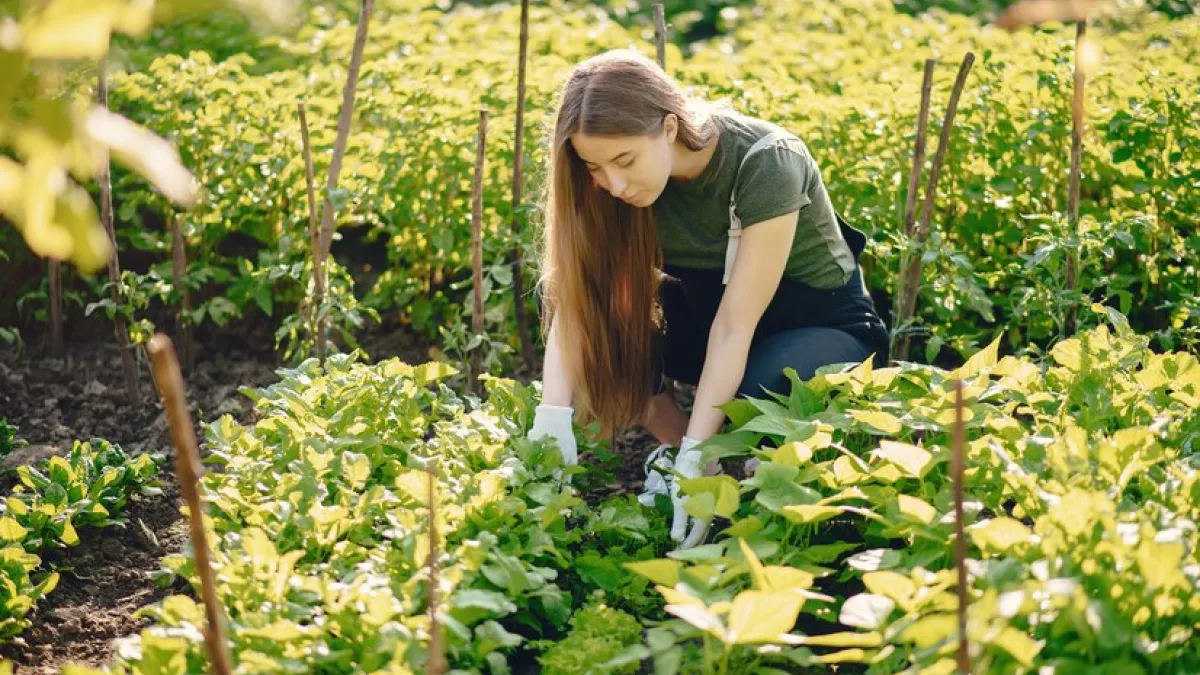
[634, 169]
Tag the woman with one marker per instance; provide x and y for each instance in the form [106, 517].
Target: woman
[686, 241]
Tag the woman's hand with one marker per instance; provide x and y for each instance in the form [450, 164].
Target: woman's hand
[554, 421]
[687, 463]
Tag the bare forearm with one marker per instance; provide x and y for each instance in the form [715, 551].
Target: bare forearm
[724, 367]
[556, 380]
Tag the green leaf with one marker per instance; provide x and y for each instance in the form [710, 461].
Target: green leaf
[477, 598]
[930, 630]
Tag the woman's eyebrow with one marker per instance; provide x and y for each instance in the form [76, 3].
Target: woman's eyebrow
[619, 156]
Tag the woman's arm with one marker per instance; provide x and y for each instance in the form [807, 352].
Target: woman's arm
[556, 380]
[761, 259]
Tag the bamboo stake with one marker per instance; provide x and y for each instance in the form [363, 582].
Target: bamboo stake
[56, 319]
[188, 470]
[960, 542]
[1076, 157]
[527, 352]
[178, 269]
[335, 167]
[910, 198]
[435, 663]
[314, 231]
[132, 390]
[660, 35]
[912, 276]
[477, 248]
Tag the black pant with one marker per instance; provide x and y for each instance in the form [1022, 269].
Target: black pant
[803, 328]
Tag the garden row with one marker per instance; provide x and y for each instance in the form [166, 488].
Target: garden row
[1081, 491]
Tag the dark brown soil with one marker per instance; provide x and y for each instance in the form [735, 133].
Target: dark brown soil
[108, 577]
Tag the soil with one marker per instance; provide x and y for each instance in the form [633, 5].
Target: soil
[54, 402]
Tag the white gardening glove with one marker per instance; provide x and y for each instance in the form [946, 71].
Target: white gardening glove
[553, 421]
[687, 463]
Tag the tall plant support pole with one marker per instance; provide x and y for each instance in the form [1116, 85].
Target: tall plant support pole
[178, 270]
[527, 352]
[435, 660]
[960, 542]
[477, 249]
[1076, 157]
[660, 36]
[912, 275]
[335, 167]
[114, 266]
[910, 198]
[187, 468]
[314, 230]
[56, 319]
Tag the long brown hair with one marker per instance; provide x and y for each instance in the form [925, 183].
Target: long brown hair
[600, 256]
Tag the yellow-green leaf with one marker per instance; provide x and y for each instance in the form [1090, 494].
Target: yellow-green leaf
[930, 630]
[810, 513]
[913, 461]
[890, 584]
[662, 571]
[795, 453]
[1000, 534]
[11, 530]
[69, 536]
[1019, 645]
[878, 419]
[763, 616]
[1160, 563]
[979, 362]
[917, 509]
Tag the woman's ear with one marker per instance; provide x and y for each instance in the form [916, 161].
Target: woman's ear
[671, 127]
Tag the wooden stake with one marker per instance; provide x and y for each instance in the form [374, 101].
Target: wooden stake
[477, 248]
[918, 164]
[1076, 157]
[527, 352]
[314, 231]
[910, 198]
[660, 35]
[435, 663]
[56, 318]
[188, 470]
[335, 167]
[960, 542]
[912, 276]
[178, 270]
[132, 390]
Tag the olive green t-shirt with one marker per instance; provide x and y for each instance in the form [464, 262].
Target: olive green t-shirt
[693, 216]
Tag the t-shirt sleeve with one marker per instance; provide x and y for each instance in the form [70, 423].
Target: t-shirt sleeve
[774, 181]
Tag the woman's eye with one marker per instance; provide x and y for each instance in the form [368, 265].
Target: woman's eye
[626, 165]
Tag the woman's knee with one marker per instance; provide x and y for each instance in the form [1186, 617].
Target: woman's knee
[804, 350]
